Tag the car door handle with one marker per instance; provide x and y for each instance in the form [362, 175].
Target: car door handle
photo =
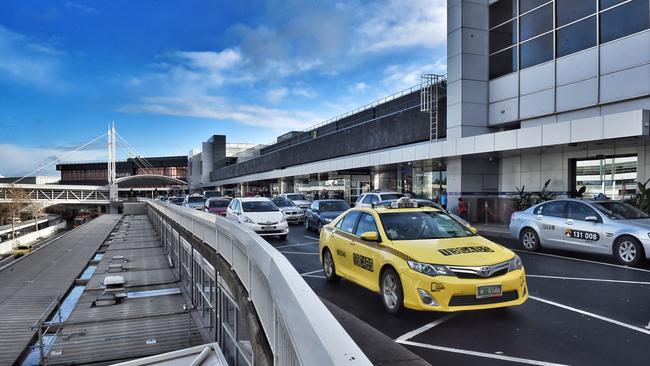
[569, 222]
[352, 243]
[540, 217]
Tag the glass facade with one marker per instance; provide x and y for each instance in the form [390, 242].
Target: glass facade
[526, 33]
[614, 177]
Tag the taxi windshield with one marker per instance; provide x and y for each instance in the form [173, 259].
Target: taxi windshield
[620, 211]
[283, 202]
[259, 206]
[419, 225]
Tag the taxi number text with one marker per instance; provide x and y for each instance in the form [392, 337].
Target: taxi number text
[363, 262]
[585, 235]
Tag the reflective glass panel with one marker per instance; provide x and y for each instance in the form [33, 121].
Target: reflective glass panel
[503, 36]
[572, 10]
[576, 37]
[537, 51]
[624, 20]
[503, 63]
[502, 11]
[536, 22]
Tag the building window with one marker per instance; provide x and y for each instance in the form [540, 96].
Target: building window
[571, 10]
[503, 63]
[615, 177]
[623, 20]
[537, 51]
[536, 22]
[604, 4]
[528, 5]
[502, 11]
[503, 36]
[576, 37]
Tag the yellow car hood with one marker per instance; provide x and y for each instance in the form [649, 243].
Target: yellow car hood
[469, 251]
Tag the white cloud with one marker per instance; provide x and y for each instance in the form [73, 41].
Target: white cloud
[26, 61]
[276, 95]
[224, 110]
[25, 159]
[393, 25]
[404, 76]
[79, 7]
[359, 87]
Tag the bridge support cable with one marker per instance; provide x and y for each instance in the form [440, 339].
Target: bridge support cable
[136, 154]
[144, 168]
[59, 158]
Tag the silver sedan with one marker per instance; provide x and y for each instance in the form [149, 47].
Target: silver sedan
[604, 227]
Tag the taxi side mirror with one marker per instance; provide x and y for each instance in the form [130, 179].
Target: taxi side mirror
[473, 229]
[370, 236]
[591, 218]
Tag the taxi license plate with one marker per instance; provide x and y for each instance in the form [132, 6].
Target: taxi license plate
[488, 291]
[268, 227]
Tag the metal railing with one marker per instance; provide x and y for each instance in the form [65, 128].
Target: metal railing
[43, 326]
[299, 328]
[54, 193]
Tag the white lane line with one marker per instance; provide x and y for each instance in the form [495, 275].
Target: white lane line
[582, 260]
[481, 354]
[314, 276]
[296, 245]
[305, 253]
[589, 279]
[311, 237]
[424, 328]
[647, 326]
[312, 272]
[583, 312]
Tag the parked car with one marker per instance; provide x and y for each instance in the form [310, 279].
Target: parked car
[260, 215]
[194, 201]
[293, 213]
[367, 199]
[606, 227]
[176, 200]
[322, 212]
[217, 205]
[298, 198]
[212, 194]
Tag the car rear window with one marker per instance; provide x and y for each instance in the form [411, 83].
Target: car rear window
[218, 203]
[391, 196]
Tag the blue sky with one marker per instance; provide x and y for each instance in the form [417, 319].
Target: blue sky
[170, 74]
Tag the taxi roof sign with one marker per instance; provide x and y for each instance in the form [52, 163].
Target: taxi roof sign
[403, 202]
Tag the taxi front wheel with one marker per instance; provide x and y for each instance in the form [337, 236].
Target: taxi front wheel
[328, 266]
[392, 294]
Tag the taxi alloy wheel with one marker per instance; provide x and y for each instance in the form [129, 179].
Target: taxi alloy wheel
[391, 291]
[328, 266]
[627, 251]
[529, 239]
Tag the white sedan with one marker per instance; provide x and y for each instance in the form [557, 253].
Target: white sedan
[260, 215]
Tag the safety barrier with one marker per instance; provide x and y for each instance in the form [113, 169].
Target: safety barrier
[299, 328]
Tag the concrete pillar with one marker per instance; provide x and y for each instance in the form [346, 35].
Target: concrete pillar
[385, 179]
[477, 181]
[467, 65]
[286, 184]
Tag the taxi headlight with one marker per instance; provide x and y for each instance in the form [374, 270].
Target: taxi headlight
[248, 220]
[648, 235]
[283, 219]
[430, 269]
[514, 264]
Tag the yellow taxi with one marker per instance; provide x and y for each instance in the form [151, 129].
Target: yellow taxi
[420, 258]
[21, 250]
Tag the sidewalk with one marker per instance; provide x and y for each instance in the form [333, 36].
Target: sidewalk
[494, 230]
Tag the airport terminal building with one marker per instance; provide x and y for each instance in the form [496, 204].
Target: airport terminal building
[535, 90]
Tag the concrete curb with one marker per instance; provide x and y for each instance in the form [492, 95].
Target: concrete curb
[379, 348]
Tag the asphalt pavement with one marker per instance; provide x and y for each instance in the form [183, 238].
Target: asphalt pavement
[582, 310]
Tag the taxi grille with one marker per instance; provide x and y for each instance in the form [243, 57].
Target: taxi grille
[267, 223]
[469, 300]
[474, 275]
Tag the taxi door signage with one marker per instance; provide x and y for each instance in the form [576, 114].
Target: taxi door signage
[363, 262]
[579, 234]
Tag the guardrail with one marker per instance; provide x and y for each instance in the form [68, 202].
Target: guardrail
[298, 326]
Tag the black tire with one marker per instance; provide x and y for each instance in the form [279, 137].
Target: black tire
[628, 251]
[282, 237]
[392, 294]
[328, 266]
[529, 240]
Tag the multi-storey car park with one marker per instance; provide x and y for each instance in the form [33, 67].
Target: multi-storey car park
[535, 90]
